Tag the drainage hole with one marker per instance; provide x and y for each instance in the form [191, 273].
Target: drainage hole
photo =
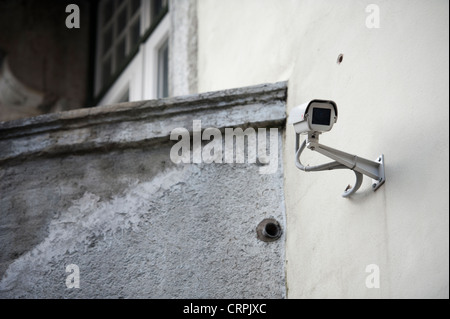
[272, 230]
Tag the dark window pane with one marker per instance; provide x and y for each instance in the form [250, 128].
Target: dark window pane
[107, 39]
[108, 9]
[135, 33]
[118, 3]
[135, 5]
[163, 71]
[122, 20]
[106, 71]
[156, 7]
[120, 53]
[125, 97]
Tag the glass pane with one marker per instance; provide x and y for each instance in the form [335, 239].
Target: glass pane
[135, 33]
[122, 20]
[107, 40]
[135, 5]
[125, 97]
[108, 9]
[163, 71]
[120, 53]
[157, 6]
[106, 71]
[118, 3]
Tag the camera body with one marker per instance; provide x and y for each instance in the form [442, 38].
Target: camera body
[314, 116]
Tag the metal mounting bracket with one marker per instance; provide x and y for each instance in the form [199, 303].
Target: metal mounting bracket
[361, 166]
[376, 183]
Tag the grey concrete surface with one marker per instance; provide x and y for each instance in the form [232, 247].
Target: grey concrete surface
[136, 224]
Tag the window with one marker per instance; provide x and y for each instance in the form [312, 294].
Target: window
[120, 23]
[124, 26]
[163, 70]
[125, 96]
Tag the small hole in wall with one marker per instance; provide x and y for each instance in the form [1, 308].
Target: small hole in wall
[340, 58]
[268, 230]
[271, 230]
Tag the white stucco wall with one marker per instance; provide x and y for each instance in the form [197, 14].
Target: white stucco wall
[392, 93]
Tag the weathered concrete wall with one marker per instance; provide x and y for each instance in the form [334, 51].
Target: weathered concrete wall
[136, 224]
[392, 93]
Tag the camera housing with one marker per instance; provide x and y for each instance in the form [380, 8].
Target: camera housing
[314, 116]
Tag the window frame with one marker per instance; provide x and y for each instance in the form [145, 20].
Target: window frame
[127, 76]
[162, 81]
[151, 52]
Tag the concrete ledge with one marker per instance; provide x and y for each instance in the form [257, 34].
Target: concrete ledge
[132, 124]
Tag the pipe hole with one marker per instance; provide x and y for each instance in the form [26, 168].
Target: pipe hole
[269, 230]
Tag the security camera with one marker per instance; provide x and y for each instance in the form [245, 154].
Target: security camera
[314, 116]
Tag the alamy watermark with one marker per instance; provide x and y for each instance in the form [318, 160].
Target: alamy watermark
[228, 147]
[73, 19]
[373, 19]
[73, 279]
[373, 279]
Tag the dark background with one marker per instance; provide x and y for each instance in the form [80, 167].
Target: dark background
[45, 55]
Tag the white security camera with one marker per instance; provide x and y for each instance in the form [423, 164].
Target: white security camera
[314, 116]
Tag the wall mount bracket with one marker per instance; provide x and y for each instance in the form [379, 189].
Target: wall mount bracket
[342, 160]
